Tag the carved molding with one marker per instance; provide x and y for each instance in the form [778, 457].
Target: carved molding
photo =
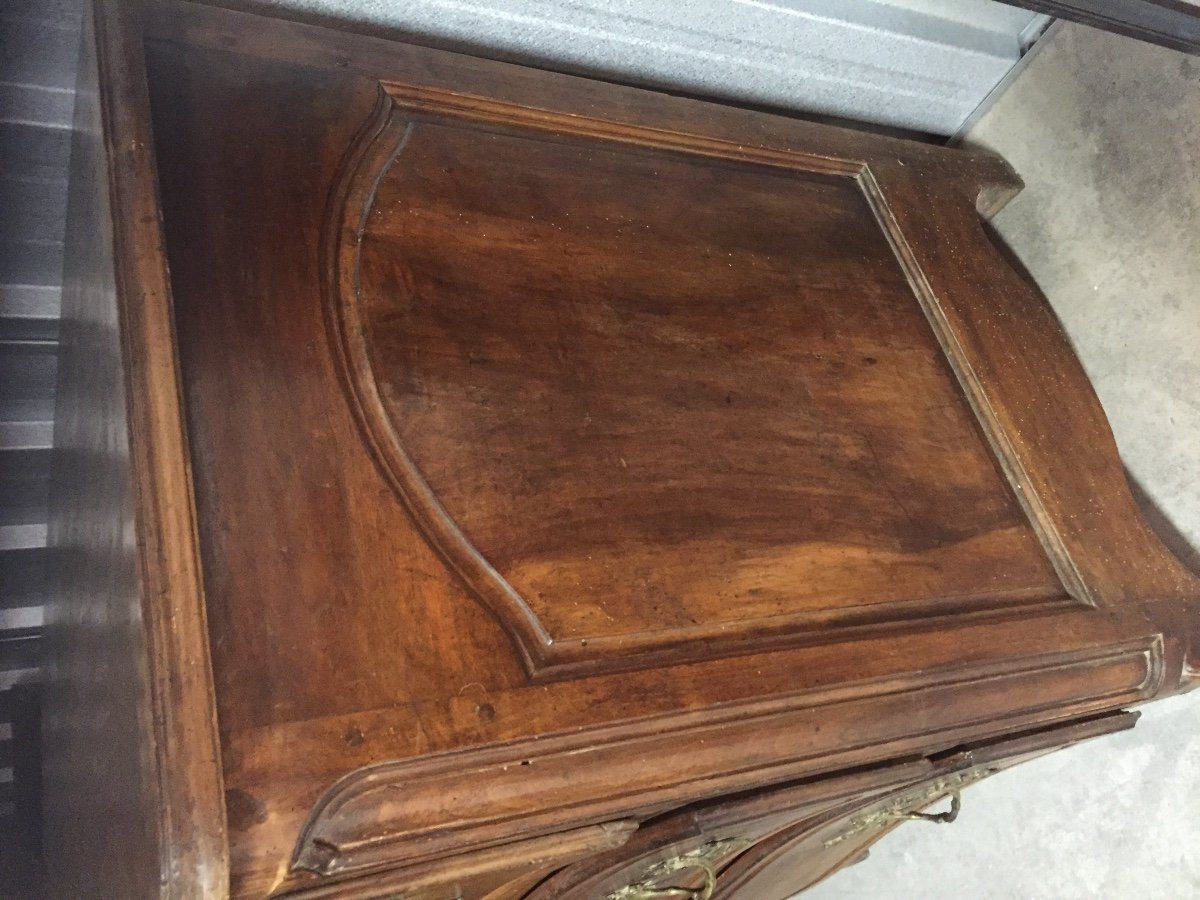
[537, 855]
[406, 811]
[400, 110]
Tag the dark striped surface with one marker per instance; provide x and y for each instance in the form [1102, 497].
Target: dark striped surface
[39, 41]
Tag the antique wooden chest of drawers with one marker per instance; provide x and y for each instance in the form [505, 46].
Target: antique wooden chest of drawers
[482, 482]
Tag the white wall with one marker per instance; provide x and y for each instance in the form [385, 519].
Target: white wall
[918, 64]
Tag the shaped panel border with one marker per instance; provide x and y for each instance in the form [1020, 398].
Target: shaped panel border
[399, 111]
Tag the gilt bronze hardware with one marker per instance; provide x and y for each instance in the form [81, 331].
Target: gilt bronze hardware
[704, 858]
[907, 806]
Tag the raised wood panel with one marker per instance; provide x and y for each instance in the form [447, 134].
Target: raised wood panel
[640, 388]
[985, 314]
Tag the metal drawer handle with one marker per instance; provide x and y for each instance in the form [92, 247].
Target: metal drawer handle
[702, 858]
[901, 809]
[942, 818]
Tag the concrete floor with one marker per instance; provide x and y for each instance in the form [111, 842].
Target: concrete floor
[1106, 133]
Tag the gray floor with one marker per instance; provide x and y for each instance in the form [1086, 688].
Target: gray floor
[1106, 133]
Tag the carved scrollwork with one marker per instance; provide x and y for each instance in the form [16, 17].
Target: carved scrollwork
[704, 859]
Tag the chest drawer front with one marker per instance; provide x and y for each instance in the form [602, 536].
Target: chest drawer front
[772, 845]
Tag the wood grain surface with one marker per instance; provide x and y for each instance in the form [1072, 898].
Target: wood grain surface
[535, 460]
[640, 398]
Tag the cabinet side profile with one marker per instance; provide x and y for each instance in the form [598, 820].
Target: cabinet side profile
[133, 782]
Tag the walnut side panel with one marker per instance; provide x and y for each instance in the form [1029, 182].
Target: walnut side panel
[345, 648]
[1009, 354]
